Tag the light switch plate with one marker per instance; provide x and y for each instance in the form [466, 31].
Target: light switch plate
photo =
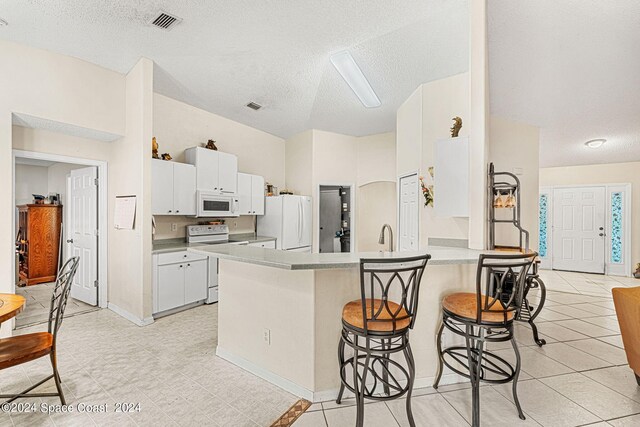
[174, 226]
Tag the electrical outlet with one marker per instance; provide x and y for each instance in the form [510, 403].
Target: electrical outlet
[174, 226]
[266, 336]
[235, 224]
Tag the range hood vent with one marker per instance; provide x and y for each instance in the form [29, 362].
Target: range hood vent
[165, 21]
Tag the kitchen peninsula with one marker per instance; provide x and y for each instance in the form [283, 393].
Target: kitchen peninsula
[280, 312]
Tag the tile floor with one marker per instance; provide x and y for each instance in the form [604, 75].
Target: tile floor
[36, 309]
[584, 283]
[580, 377]
[169, 367]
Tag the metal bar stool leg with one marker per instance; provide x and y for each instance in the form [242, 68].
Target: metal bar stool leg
[385, 372]
[474, 356]
[341, 364]
[515, 378]
[440, 357]
[543, 297]
[56, 377]
[412, 374]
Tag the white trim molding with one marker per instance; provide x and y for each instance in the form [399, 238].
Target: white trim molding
[623, 268]
[130, 317]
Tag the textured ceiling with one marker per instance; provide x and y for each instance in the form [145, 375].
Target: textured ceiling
[276, 53]
[571, 67]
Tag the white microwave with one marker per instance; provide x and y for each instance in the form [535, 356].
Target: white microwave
[216, 205]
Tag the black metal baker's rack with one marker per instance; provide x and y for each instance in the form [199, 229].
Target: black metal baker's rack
[502, 184]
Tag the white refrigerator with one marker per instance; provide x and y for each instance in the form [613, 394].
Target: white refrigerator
[288, 218]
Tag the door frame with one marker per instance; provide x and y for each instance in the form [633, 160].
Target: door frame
[316, 209]
[102, 210]
[619, 269]
[415, 172]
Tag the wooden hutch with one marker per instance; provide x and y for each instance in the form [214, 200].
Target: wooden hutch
[38, 242]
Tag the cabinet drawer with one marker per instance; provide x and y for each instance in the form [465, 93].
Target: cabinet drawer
[179, 256]
[270, 244]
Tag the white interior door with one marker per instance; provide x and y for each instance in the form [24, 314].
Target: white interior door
[408, 213]
[82, 233]
[578, 229]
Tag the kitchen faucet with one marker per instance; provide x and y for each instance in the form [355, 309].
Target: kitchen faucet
[381, 239]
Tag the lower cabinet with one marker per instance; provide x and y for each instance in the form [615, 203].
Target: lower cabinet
[179, 278]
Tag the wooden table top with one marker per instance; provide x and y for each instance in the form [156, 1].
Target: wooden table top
[10, 306]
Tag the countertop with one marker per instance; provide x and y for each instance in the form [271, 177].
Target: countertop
[286, 260]
[180, 244]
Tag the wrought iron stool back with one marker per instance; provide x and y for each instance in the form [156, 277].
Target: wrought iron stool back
[500, 282]
[395, 284]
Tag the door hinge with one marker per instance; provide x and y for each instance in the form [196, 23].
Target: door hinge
[95, 181]
[95, 283]
[96, 232]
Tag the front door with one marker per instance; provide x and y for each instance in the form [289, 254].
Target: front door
[409, 213]
[82, 233]
[578, 229]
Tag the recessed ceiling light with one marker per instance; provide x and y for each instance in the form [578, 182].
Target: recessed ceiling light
[352, 74]
[595, 143]
[3, 23]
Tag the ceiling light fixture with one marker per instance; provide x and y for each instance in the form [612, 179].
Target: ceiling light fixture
[352, 74]
[595, 143]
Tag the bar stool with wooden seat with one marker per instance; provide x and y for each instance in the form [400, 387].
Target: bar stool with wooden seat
[25, 348]
[377, 326]
[486, 316]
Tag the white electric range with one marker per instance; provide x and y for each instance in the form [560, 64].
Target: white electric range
[211, 235]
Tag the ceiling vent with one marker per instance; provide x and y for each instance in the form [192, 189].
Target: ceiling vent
[165, 21]
[254, 106]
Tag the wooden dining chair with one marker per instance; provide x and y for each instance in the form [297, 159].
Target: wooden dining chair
[25, 348]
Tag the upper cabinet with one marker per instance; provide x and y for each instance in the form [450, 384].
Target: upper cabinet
[250, 194]
[215, 171]
[451, 177]
[173, 188]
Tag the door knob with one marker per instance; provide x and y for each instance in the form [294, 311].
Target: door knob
[601, 228]
[601, 234]
[69, 240]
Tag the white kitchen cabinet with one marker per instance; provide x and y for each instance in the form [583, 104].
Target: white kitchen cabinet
[170, 289]
[250, 194]
[195, 274]
[162, 187]
[215, 171]
[269, 244]
[179, 278]
[184, 189]
[451, 177]
[173, 188]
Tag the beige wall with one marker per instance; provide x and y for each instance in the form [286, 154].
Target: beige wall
[514, 146]
[376, 156]
[612, 173]
[178, 126]
[130, 174]
[54, 87]
[376, 206]
[409, 134]
[299, 163]
[30, 180]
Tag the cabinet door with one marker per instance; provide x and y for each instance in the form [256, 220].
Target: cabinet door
[257, 195]
[161, 187]
[170, 286]
[227, 173]
[184, 189]
[207, 169]
[195, 281]
[244, 193]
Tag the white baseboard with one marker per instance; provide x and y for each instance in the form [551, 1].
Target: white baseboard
[130, 317]
[319, 396]
[283, 383]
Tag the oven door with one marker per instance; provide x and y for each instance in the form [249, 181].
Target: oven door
[217, 205]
